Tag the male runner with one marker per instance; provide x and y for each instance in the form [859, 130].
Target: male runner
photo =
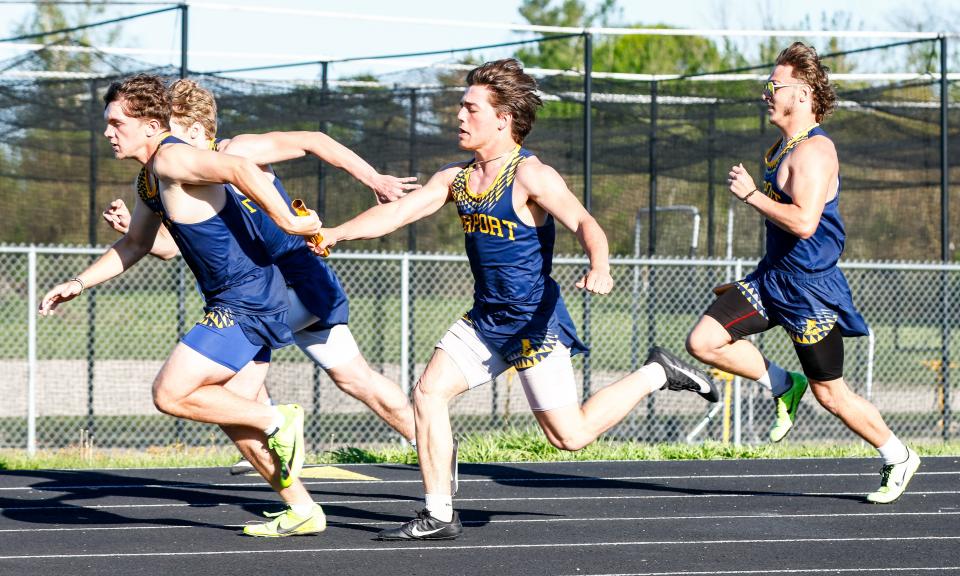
[798, 285]
[318, 313]
[507, 200]
[214, 373]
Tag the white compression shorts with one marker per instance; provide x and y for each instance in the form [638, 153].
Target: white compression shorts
[549, 384]
[330, 347]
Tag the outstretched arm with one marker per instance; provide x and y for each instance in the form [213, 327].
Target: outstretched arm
[385, 218]
[126, 252]
[275, 147]
[187, 165]
[548, 190]
[118, 217]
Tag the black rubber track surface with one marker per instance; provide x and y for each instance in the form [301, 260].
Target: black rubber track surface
[804, 516]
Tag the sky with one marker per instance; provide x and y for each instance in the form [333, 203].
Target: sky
[234, 35]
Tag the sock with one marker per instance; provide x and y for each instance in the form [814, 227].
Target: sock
[440, 506]
[275, 424]
[776, 379]
[893, 451]
[653, 377]
[302, 509]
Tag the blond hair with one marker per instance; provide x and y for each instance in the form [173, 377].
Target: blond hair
[190, 102]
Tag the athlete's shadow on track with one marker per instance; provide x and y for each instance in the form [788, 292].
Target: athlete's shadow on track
[515, 476]
[72, 489]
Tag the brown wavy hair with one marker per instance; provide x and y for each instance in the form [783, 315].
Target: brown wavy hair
[808, 68]
[142, 96]
[190, 102]
[512, 91]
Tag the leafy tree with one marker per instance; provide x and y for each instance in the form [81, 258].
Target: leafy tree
[50, 124]
[633, 54]
[561, 54]
[50, 17]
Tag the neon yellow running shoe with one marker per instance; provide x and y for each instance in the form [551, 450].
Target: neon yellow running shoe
[287, 443]
[894, 479]
[289, 523]
[787, 406]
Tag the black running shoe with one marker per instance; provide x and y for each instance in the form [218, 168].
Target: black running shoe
[425, 527]
[682, 376]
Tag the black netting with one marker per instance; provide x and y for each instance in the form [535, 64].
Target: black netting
[887, 134]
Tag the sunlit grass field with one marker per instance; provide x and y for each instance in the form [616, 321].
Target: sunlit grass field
[513, 446]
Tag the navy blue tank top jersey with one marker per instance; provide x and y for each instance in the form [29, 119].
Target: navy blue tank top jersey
[790, 253]
[232, 266]
[510, 260]
[511, 263]
[311, 278]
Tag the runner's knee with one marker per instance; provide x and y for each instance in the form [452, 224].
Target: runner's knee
[431, 389]
[569, 443]
[831, 396]
[698, 346]
[163, 400]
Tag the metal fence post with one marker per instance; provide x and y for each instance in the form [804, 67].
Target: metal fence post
[711, 191]
[652, 245]
[32, 351]
[945, 327]
[181, 322]
[181, 265]
[92, 239]
[412, 242]
[322, 126]
[405, 323]
[737, 383]
[587, 191]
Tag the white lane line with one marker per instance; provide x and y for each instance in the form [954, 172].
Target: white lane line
[81, 507]
[778, 517]
[473, 547]
[824, 570]
[97, 528]
[259, 483]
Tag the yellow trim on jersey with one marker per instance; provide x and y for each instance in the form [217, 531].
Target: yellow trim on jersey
[790, 145]
[469, 202]
[147, 187]
[497, 182]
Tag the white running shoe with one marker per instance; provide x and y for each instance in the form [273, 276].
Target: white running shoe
[894, 479]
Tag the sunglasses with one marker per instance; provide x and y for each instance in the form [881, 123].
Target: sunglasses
[771, 87]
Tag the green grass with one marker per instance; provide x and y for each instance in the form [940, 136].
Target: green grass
[514, 446]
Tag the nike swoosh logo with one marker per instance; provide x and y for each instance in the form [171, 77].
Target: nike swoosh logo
[417, 533]
[282, 531]
[704, 386]
[293, 455]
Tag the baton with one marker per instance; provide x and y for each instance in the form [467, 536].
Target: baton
[300, 209]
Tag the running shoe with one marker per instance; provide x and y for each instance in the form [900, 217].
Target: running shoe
[287, 443]
[425, 527]
[682, 376]
[243, 466]
[894, 479]
[289, 523]
[786, 407]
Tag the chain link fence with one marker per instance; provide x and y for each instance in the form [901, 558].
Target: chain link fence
[91, 366]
